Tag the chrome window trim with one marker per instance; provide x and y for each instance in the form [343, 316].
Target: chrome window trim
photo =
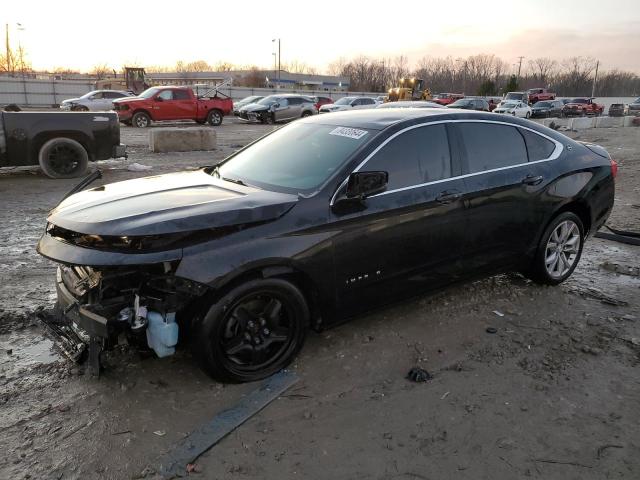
[554, 155]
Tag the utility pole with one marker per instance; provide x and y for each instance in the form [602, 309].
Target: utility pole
[279, 58]
[595, 79]
[8, 49]
[519, 67]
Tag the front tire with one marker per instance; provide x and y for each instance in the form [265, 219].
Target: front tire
[140, 120]
[306, 113]
[253, 331]
[527, 115]
[559, 250]
[63, 158]
[214, 118]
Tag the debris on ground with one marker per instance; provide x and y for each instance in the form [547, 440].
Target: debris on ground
[137, 167]
[417, 374]
[498, 313]
[491, 330]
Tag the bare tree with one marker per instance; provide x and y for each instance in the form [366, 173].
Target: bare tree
[100, 71]
[543, 68]
[198, 66]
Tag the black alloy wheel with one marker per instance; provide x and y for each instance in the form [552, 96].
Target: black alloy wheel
[253, 331]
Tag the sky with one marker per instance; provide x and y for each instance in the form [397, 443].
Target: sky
[82, 34]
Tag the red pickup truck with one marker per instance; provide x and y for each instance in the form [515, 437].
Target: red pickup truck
[447, 98]
[582, 107]
[538, 94]
[172, 103]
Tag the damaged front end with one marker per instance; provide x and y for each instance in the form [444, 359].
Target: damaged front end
[125, 290]
[107, 306]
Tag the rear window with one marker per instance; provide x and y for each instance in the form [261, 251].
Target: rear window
[490, 146]
[538, 147]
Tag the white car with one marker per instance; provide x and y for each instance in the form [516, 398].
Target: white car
[513, 107]
[349, 103]
[96, 100]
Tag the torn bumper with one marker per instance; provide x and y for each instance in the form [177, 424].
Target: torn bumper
[84, 322]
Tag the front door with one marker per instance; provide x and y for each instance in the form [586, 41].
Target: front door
[282, 110]
[163, 106]
[409, 237]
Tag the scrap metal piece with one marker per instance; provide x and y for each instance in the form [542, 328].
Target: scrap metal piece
[186, 451]
[417, 374]
[95, 349]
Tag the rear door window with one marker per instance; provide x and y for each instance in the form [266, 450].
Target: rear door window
[538, 147]
[489, 146]
[181, 95]
[417, 156]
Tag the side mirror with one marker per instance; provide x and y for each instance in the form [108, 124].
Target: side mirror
[364, 184]
[159, 99]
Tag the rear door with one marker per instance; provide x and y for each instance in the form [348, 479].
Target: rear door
[295, 108]
[503, 189]
[412, 235]
[184, 104]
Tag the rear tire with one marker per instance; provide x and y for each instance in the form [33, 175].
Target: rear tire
[306, 114]
[527, 115]
[215, 117]
[559, 250]
[253, 331]
[63, 158]
[140, 120]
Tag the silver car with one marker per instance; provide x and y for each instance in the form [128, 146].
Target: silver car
[96, 100]
[278, 108]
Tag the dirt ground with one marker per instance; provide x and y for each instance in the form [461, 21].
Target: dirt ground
[554, 394]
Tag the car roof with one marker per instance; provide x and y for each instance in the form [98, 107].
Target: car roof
[380, 118]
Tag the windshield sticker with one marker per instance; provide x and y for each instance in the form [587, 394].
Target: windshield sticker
[354, 133]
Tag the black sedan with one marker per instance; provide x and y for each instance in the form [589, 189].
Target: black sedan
[317, 222]
[547, 108]
[479, 104]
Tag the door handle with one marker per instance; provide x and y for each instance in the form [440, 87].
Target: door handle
[448, 196]
[532, 180]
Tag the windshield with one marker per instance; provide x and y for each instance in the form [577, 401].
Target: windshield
[462, 102]
[250, 99]
[87, 95]
[149, 92]
[543, 104]
[296, 158]
[270, 100]
[513, 96]
[344, 101]
[579, 100]
[508, 104]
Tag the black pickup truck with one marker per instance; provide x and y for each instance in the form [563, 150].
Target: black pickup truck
[62, 143]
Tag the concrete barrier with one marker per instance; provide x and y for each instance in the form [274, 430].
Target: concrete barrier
[560, 122]
[628, 121]
[581, 123]
[173, 139]
[608, 122]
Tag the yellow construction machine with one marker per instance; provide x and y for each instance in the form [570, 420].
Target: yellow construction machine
[409, 89]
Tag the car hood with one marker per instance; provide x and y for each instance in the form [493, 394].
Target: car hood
[129, 100]
[254, 107]
[70, 100]
[170, 203]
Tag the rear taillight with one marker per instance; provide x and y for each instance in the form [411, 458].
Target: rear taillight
[614, 168]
